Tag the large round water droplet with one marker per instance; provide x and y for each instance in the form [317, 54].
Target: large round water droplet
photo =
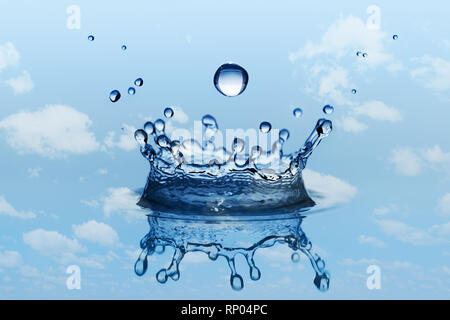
[114, 96]
[124, 47]
[131, 91]
[395, 36]
[328, 109]
[91, 37]
[149, 128]
[168, 112]
[139, 82]
[265, 127]
[297, 112]
[160, 125]
[284, 135]
[141, 137]
[230, 79]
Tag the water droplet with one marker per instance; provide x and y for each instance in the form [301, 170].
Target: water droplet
[160, 125]
[91, 37]
[168, 112]
[322, 282]
[365, 55]
[324, 127]
[238, 145]
[230, 79]
[395, 36]
[149, 128]
[114, 96]
[161, 276]
[139, 82]
[210, 122]
[131, 91]
[237, 283]
[140, 267]
[295, 257]
[265, 127]
[354, 91]
[124, 47]
[284, 135]
[141, 137]
[358, 53]
[297, 112]
[328, 109]
[163, 141]
[255, 274]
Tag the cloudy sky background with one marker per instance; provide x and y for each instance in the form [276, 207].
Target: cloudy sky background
[69, 164]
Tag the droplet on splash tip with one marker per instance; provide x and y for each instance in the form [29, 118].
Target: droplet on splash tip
[141, 137]
[230, 79]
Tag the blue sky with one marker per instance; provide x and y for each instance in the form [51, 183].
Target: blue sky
[69, 164]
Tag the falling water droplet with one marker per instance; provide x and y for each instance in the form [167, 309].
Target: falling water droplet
[354, 91]
[140, 267]
[160, 125]
[114, 96]
[295, 257]
[161, 276]
[365, 55]
[168, 112]
[237, 283]
[358, 53]
[230, 79]
[91, 37]
[131, 91]
[297, 112]
[139, 82]
[149, 128]
[255, 273]
[141, 137]
[265, 127]
[395, 36]
[328, 109]
[124, 47]
[284, 135]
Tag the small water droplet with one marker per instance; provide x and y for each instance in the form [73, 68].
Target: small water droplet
[295, 257]
[365, 55]
[91, 37]
[255, 273]
[131, 91]
[328, 109]
[168, 112]
[297, 112]
[149, 128]
[284, 135]
[160, 125]
[265, 127]
[237, 283]
[114, 96]
[140, 267]
[354, 91]
[124, 47]
[161, 276]
[141, 137]
[395, 36]
[230, 79]
[358, 53]
[139, 82]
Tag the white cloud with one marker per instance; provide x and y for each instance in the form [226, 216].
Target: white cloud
[10, 259]
[8, 55]
[442, 230]
[350, 124]
[377, 110]
[383, 210]
[125, 141]
[331, 84]
[90, 203]
[434, 74]
[51, 242]
[344, 38]
[436, 155]
[21, 84]
[406, 161]
[330, 190]
[54, 131]
[102, 171]
[363, 239]
[9, 210]
[34, 172]
[413, 235]
[122, 200]
[179, 115]
[444, 205]
[97, 232]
